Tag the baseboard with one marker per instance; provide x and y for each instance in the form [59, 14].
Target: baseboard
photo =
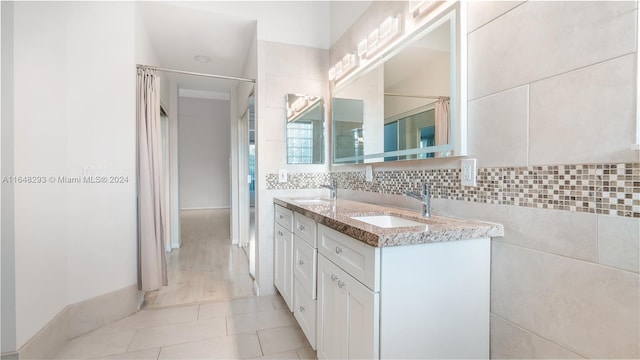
[206, 208]
[256, 288]
[9, 356]
[80, 318]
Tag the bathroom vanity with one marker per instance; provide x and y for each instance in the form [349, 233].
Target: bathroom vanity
[368, 281]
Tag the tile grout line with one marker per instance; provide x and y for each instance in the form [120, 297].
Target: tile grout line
[536, 334]
[259, 342]
[496, 18]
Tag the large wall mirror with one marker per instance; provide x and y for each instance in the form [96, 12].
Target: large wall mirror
[411, 104]
[305, 129]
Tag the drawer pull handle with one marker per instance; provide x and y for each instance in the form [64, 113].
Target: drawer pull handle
[280, 216]
[300, 262]
[280, 233]
[338, 249]
[334, 277]
[341, 284]
[301, 227]
[301, 308]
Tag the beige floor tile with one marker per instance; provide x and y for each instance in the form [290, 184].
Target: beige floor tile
[239, 306]
[178, 333]
[278, 302]
[95, 344]
[282, 339]
[150, 354]
[307, 353]
[241, 346]
[153, 317]
[246, 323]
[287, 355]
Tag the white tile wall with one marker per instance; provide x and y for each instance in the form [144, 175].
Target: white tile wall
[587, 308]
[497, 125]
[618, 242]
[543, 38]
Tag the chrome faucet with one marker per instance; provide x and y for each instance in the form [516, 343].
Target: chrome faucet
[333, 187]
[425, 198]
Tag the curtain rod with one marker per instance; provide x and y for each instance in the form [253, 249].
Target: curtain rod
[418, 96]
[195, 74]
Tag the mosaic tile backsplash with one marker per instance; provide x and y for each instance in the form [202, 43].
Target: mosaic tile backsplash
[612, 189]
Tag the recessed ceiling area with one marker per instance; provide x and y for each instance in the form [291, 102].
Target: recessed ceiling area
[224, 31]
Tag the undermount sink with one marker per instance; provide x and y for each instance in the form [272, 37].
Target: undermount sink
[311, 201]
[387, 221]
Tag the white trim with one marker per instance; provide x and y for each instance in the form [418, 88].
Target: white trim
[636, 146]
[256, 288]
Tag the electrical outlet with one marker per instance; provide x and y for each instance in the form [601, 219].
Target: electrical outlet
[368, 173]
[469, 174]
[282, 175]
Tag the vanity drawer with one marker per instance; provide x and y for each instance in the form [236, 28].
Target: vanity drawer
[304, 265]
[305, 228]
[360, 260]
[284, 217]
[305, 312]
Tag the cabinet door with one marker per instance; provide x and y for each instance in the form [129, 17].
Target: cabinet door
[330, 322]
[283, 263]
[348, 324]
[362, 314]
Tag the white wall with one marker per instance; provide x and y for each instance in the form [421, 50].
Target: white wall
[204, 145]
[7, 245]
[75, 105]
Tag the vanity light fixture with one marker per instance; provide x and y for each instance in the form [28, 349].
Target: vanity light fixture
[380, 36]
[298, 107]
[343, 67]
[418, 8]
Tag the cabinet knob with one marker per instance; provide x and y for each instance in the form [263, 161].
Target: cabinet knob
[300, 262]
[280, 216]
[280, 233]
[334, 277]
[301, 308]
[301, 227]
[341, 284]
[338, 249]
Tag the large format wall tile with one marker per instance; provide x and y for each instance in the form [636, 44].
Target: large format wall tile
[584, 116]
[540, 39]
[587, 308]
[618, 242]
[509, 341]
[498, 128]
[481, 12]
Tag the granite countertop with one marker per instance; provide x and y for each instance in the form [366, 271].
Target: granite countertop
[336, 214]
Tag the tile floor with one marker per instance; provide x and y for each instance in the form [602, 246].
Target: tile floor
[252, 327]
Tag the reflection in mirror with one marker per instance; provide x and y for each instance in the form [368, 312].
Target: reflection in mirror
[305, 129]
[407, 100]
[347, 129]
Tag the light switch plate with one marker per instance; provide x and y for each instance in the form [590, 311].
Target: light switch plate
[368, 173]
[282, 175]
[469, 174]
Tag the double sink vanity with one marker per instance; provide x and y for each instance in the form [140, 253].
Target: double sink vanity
[366, 281]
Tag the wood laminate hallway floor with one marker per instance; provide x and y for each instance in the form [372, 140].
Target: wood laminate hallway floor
[206, 267]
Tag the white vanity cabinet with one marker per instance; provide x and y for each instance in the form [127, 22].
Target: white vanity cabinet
[426, 301]
[283, 253]
[305, 258]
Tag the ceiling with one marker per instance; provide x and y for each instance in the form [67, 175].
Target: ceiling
[224, 31]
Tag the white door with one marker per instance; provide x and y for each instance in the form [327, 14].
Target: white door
[287, 293]
[278, 258]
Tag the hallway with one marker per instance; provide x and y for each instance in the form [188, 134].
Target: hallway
[206, 267]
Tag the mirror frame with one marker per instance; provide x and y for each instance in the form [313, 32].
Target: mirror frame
[455, 12]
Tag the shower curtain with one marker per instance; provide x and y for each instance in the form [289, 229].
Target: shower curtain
[152, 267]
[442, 121]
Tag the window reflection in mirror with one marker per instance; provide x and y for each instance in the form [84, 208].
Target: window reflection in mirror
[347, 130]
[305, 129]
[406, 99]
